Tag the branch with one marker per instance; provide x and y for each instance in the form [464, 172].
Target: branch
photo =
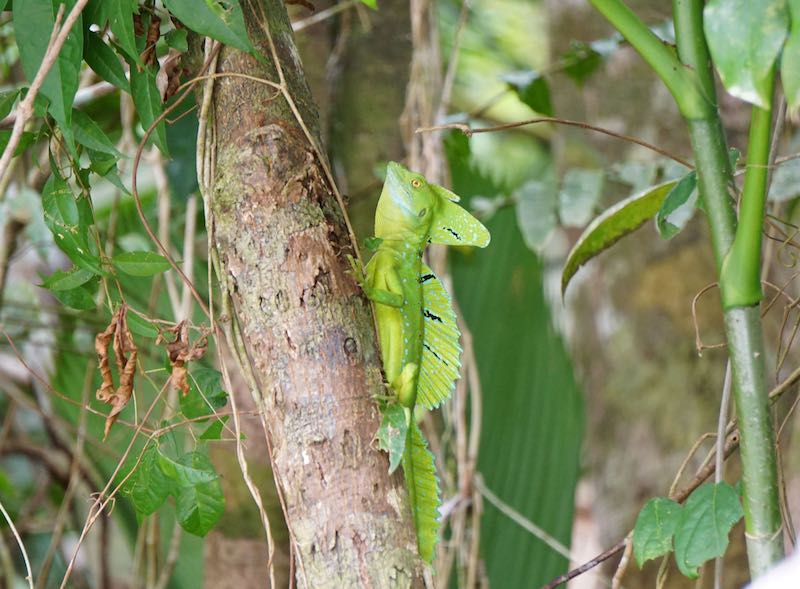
[24, 109]
[470, 131]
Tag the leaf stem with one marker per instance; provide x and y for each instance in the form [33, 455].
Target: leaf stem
[740, 278]
[681, 81]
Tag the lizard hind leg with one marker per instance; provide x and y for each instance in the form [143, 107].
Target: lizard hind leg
[405, 385]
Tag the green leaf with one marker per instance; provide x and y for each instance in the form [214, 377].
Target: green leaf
[371, 3]
[745, 38]
[581, 61]
[219, 19]
[177, 39]
[205, 393]
[214, 431]
[148, 487]
[392, 434]
[7, 100]
[532, 89]
[89, 133]
[80, 298]
[612, 225]
[655, 526]
[140, 263]
[423, 492]
[33, 24]
[199, 506]
[668, 226]
[184, 472]
[540, 411]
[790, 59]
[72, 278]
[69, 220]
[119, 14]
[26, 140]
[536, 209]
[141, 326]
[147, 100]
[704, 524]
[581, 188]
[102, 59]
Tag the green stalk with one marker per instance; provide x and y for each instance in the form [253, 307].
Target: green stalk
[740, 279]
[681, 81]
[737, 251]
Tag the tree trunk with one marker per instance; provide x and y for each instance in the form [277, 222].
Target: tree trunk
[282, 241]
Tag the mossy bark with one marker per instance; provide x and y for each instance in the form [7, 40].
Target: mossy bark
[282, 241]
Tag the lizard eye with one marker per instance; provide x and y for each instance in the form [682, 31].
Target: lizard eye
[416, 183]
[423, 212]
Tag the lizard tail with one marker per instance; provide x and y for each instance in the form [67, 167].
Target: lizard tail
[423, 488]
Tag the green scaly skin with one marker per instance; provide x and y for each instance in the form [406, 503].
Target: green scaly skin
[412, 213]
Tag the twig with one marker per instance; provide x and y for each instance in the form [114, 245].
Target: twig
[25, 558]
[520, 519]
[469, 131]
[719, 462]
[322, 15]
[24, 109]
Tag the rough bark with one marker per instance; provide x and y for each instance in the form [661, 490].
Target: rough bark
[282, 242]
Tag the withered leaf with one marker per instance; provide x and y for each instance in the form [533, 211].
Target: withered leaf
[180, 352]
[119, 336]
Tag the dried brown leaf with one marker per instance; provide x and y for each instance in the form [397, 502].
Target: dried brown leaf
[180, 352]
[119, 336]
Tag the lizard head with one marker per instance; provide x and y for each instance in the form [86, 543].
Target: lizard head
[412, 209]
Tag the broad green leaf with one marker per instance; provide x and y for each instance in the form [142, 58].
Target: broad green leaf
[669, 220]
[219, 19]
[89, 133]
[206, 394]
[612, 225]
[214, 431]
[745, 38]
[581, 188]
[655, 526]
[104, 61]
[119, 15]
[148, 487]
[140, 263]
[423, 491]
[392, 434]
[704, 524]
[7, 100]
[186, 471]
[147, 100]
[199, 506]
[536, 209]
[532, 89]
[33, 25]
[72, 278]
[69, 219]
[790, 59]
[539, 413]
[141, 326]
[80, 298]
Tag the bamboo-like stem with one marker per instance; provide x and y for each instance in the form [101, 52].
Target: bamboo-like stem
[738, 266]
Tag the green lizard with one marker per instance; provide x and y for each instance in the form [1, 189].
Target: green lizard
[416, 324]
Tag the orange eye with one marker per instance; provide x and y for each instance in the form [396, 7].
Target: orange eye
[416, 183]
